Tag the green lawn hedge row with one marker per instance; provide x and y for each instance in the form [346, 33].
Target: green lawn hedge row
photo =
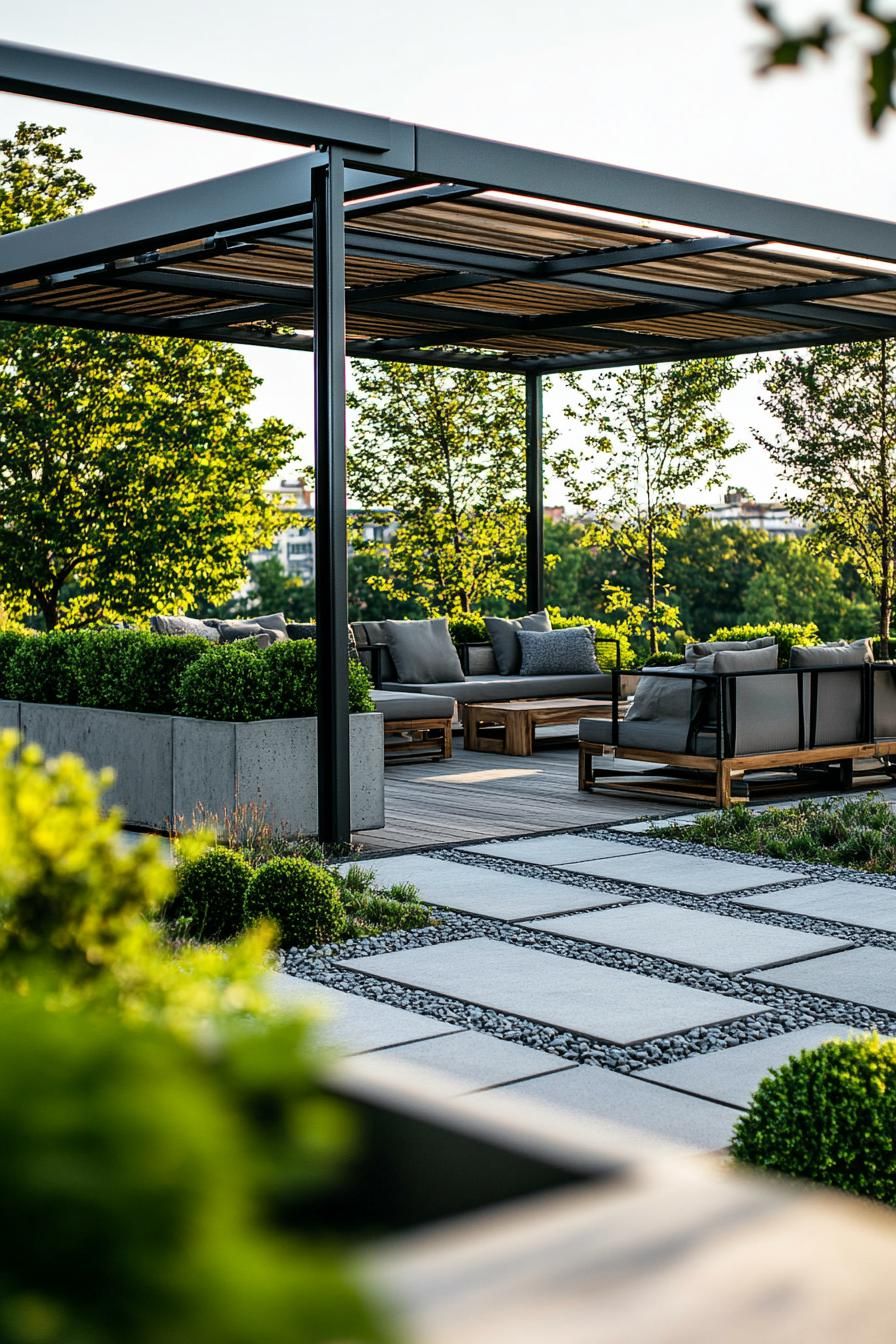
[166, 674]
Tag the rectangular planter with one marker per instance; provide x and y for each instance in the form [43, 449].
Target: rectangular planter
[169, 768]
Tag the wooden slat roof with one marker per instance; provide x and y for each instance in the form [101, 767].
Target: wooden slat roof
[484, 278]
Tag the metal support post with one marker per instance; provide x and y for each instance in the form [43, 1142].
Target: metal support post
[331, 578]
[534, 493]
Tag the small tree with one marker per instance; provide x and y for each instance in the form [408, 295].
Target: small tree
[444, 451]
[653, 433]
[130, 475]
[836, 406]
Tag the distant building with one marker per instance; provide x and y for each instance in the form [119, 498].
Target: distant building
[773, 518]
[294, 545]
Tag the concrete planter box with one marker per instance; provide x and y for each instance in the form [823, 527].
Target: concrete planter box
[168, 768]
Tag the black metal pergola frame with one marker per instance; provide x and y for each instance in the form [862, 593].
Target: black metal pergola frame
[412, 236]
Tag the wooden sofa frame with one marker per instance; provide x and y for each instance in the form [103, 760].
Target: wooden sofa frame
[721, 771]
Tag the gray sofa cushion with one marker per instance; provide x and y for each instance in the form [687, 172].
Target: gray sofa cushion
[183, 625]
[673, 695]
[479, 690]
[422, 651]
[557, 652]
[395, 705]
[503, 635]
[671, 735]
[260, 639]
[839, 654]
[367, 633]
[694, 651]
[231, 631]
[763, 659]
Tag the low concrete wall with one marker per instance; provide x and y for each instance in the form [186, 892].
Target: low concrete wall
[168, 768]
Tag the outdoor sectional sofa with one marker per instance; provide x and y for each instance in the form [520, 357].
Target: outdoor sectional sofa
[418, 658]
[729, 711]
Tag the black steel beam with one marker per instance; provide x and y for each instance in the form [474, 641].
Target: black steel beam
[534, 493]
[331, 546]
[117, 231]
[634, 255]
[63, 77]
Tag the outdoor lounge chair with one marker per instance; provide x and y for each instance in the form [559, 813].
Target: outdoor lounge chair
[713, 721]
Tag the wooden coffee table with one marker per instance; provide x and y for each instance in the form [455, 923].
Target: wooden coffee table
[508, 726]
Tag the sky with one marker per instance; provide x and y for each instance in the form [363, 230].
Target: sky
[667, 86]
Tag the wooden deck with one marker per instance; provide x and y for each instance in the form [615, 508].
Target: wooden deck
[478, 796]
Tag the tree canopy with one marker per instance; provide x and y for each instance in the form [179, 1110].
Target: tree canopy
[652, 434]
[131, 477]
[836, 446]
[444, 451]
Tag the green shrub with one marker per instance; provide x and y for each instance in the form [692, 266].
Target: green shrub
[468, 629]
[828, 1115]
[42, 668]
[133, 669]
[663, 660]
[291, 678]
[854, 832]
[301, 898]
[228, 682]
[130, 1152]
[9, 643]
[210, 900]
[370, 910]
[606, 654]
[787, 636]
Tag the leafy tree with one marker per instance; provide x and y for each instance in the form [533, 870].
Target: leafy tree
[709, 567]
[795, 584]
[836, 406]
[787, 47]
[130, 475]
[444, 450]
[653, 433]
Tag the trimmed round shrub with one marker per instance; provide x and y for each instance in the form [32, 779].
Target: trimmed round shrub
[211, 895]
[42, 670]
[291, 673]
[301, 898]
[828, 1115]
[786, 634]
[228, 682]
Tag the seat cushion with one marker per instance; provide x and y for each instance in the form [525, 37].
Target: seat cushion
[422, 651]
[557, 652]
[503, 635]
[839, 654]
[652, 734]
[395, 705]
[478, 690]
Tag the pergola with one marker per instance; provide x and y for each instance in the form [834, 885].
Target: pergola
[392, 241]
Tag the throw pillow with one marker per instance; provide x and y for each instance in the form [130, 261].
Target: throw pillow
[674, 695]
[503, 636]
[840, 654]
[422, 651]
[694, 651]
[182, 625]
[763, 659]
[276, 621]
[230, 631]
[547, 653]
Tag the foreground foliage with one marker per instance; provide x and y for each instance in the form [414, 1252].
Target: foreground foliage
[856, 833]
[828, 1115]
[157, 1128]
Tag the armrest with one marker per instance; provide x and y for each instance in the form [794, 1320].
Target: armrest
[375, 666]
[463, 651]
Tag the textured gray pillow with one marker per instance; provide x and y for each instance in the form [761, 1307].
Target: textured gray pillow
[422, 651]
[547, 653]
[747, 660]
[694, 651]
[676, 696]
[840, 654]
[183, 625]
[503, 636]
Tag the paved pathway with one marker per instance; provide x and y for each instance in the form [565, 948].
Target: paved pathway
[647, 981]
